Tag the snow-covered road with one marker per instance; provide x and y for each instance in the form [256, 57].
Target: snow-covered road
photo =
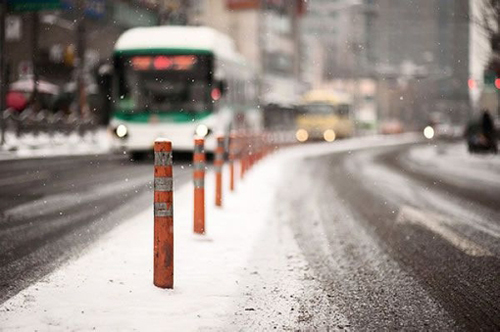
[246, 258]
[397, 247]
[307, 242]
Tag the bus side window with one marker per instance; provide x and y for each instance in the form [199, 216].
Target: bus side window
[120, 78]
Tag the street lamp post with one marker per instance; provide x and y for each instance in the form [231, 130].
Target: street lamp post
[80, 49]
[35, 34]
[3, 76]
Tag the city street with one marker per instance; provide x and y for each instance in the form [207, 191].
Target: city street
[256, 165]
[400, 243]
[391, 233]
[52, 208]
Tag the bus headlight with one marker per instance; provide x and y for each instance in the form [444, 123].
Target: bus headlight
[301, 135]
[202, 131]
[429, 132]
[329, 135]
[121, 131]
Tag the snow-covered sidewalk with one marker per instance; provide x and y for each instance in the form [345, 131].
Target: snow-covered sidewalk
[246, 273]
[110, 287]
[44, 145]
[453, 160]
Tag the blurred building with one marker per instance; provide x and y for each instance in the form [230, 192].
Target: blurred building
[48, 40]
[341, 26]
[313, 61]
[482, 94]
[56, 34]
[344, 40]
[416, 54]
[267, 34]
[423, 71]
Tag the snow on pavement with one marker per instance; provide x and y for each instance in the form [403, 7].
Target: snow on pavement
[44, 145]
[246, 272]
[110, 286]
[452, 159]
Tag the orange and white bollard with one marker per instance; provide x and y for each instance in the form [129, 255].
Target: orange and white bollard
[163, 274]
[243, 155]
[219, 163]
[232, 150]
[199, 186]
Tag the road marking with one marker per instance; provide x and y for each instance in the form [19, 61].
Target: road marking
[433, 222]
[58, 202]
[25, 178]
[64, 201]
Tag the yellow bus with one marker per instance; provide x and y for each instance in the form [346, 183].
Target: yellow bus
[324, 115]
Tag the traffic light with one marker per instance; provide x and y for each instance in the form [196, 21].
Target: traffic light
[489, 78]
[471, 83]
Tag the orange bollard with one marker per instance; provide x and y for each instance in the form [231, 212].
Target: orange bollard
[259, 148]
[199, 186]
[243, 155]
[163, 274]
[232, 148]
[266, 144]
[219, 163]
[251, 158]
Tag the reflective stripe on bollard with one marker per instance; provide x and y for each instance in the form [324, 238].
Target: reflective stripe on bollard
[163, 274]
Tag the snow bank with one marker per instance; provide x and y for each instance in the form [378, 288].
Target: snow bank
[453, 160]
[44, 145]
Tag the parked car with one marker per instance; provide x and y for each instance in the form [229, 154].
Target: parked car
[20, 92]
[392, 126]
[479, 141]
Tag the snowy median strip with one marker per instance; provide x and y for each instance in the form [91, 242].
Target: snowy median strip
[110, 286]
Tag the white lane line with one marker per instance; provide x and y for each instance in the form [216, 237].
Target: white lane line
[59, 202]
[431, 221]
[25, 178]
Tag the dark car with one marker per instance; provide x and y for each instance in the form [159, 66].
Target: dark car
[479, 140]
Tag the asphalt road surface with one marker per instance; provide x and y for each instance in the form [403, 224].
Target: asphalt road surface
[396, 244]
[52, 208]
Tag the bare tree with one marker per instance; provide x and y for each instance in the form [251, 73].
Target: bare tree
[489, 21]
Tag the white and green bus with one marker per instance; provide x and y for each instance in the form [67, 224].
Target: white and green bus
[178, 82]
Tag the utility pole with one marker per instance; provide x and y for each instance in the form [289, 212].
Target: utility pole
[261, 36]
[496, 54]
[35, 35]
[3, 76]
[80, 58]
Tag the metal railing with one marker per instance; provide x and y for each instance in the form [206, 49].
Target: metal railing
[19, 125]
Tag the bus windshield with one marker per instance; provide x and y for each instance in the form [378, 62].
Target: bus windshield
[163, 83]
[325, 109]
[319, 109]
